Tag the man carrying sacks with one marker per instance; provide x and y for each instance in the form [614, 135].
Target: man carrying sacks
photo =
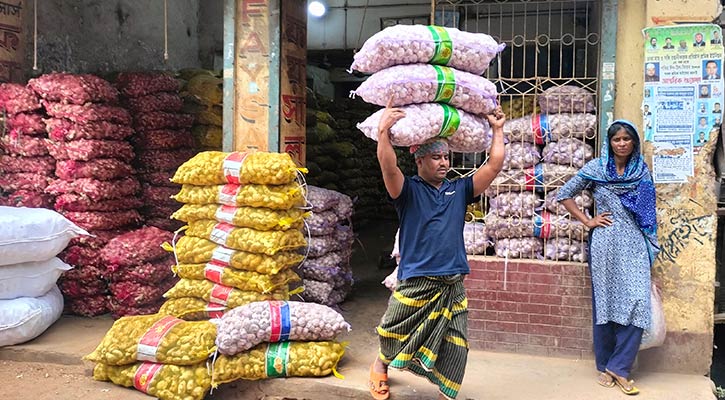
[424, 328]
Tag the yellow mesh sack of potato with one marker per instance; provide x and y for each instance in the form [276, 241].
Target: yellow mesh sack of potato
[208, 136]
[206, 88]
[241, 168]
[277, 197]
[222, 294]
[242, 280]
[155, 338]
[274, 360]
[211, 114]
[164, 381]
[194, 250]
[192, 309]
[263, 219]
[247, 239]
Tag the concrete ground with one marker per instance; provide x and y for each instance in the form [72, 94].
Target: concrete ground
[50, 366]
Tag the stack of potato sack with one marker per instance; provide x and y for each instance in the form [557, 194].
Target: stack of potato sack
[203, 98]
[139, 271]
[162, 139]
[30, 240]
[338, 160]
[271, 339]
[244, 227]
[520, 226]
[157, 354]
[25, 166]
[95, 188]
[433, 74]
[326, 273]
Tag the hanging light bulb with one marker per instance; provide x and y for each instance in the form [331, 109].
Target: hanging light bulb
[316, 8]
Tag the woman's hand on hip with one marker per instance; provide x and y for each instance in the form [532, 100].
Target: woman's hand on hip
[604, 220]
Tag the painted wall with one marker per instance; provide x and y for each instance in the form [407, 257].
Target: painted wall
[339, 29]
[686, 213]
[211, 29]
[103, 35]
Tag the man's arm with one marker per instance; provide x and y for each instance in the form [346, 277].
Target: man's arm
[487, 173]
[392, 175]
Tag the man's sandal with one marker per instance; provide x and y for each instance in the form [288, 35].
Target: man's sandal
[379, 388]
[626, 385]
[605, 380]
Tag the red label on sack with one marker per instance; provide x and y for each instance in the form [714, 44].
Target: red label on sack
[546, 228]
[530, 178]
[220, 294]
[228, 194]
[145, 374]
[220, 233]
[222, 256]
[215, 310]
[225, 213]
[275, 320]
[149, 342]
[536, 129]
[214, 273]
[233, 166]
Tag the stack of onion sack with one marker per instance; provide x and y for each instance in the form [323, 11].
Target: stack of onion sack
[326, 273]
[139, 271]
[244, 225]
[25, 166]
[203, 98]
[157, 354]
[30, 301]
[433, 74]
[162, 140]
[520, 225]
[270, 339]
[95, 188]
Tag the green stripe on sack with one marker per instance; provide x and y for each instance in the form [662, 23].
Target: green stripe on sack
[451, 121]
[446, 84]
[276, 359]
[443, 45]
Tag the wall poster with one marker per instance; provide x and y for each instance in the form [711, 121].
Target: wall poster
[683, 95]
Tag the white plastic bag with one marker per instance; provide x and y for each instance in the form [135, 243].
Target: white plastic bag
[25, 318]
[33, 234]
[31, 279]
[655, 335]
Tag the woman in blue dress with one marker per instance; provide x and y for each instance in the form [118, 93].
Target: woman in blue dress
[622, 246]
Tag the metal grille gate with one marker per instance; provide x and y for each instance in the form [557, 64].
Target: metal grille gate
[548, 43]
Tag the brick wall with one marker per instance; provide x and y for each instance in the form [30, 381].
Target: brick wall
[544, 309]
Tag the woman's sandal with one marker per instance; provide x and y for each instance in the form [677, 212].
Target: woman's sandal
[379, 388]
[605, 380]
[627, 387]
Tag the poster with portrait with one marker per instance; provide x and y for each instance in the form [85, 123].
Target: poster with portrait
[683, 95]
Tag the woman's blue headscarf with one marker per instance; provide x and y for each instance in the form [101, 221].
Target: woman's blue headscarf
[634, 188]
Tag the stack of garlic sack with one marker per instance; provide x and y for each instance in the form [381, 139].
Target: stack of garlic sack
[25, 167]
[326, 273]
[521, 227]
[30, 240]
[244, 227]
[162, 140]
[271, 339]
[433, 74]
[87, 135]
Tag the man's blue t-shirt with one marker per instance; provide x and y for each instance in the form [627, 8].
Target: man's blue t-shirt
[431, 227]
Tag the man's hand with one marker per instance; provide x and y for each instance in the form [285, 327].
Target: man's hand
[496, 119]
[389, 118]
